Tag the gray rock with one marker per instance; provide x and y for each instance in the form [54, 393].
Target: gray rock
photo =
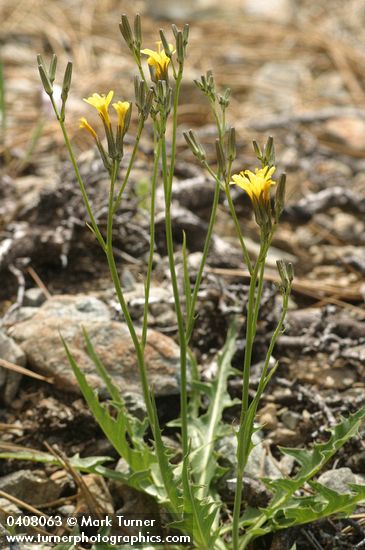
[79, 308]
[34, 297]
[7, 507]
[17, 315]
[32, 486]
[254, 491]
[290, 419]
[274, 77]
[40, 340]
[259, 464]
[10, 380]
[338, 480]
[280, 11]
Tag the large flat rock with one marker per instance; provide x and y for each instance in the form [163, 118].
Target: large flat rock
[40, 340]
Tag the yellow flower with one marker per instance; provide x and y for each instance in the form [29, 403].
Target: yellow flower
[159, 60]
[122, 108]
[84, 124]
[101, 104]
[257, 185]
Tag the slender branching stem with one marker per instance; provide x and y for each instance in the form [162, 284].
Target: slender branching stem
[157, 153]
[94, 225]
[243, 445]
[178, 309]
[199, 275]
[130, 164]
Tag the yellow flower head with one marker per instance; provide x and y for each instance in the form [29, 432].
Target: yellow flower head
[122, 108]
[257, 185]
[84, 124]
[101, 104]
[159, 60]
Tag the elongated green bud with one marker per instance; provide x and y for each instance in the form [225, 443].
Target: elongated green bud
[221, 158]
[139, 92]
[231, 144]
[286, 273]
[185, 33]
[280, 197]
[127, 120]
[137, 32]
[148, 102]
[257, 150]
[165, 44]
[195, 146]
[269, 153]
[66, 88]
[126, 31]
[67, 79]
[52, 68]
[175, 30]
[180, 52]
[45, 80]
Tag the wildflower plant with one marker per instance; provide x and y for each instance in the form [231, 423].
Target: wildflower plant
[188, 490]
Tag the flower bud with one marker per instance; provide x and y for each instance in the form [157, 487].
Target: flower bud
[269, 153]
[231, 145]
[180, 53]
[165, 44]
[67, 79]
[221, 158]
[280, 197]
[137, 32]
[196, 148]
[286, 273]
[126, 31]
[45, 80]
[185, 34]
[52, 68]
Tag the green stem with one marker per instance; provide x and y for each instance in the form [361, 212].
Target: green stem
[273, 339]
[137, 59]
[152, 242]
[246, 256]
[94, 225]
[179, 315]
[243, 445]
[115, 277]
[130, 164]
[168, 175]
[213, 215]
[174, 133]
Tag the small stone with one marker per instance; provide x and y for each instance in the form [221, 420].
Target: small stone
[355, 354]
[8, 508]
[338, 479]
[79, 308]
[286, 437]
[17, 315]
[10, 380]
[34, 297]
[349, 130]
[32, 486]
[98, 488]
[290, 419]
[194, 261]
[330, 85]
[67, 510]
[128, 281]
[254, 491]
[268, 416]
[272, 78]
[280, 11]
